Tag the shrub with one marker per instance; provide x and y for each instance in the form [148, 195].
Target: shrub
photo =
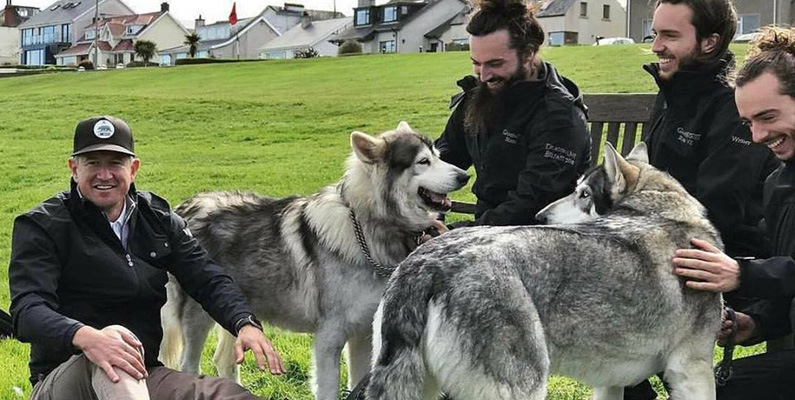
[137, 64]
[191, 61]
[309, 52]
[453, 46]
[87, 64]
[350, 47]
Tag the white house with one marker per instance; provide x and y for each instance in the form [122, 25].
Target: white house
[403, 26]
[581, 21]
[308, 34]
[117, 36]
[10, 18]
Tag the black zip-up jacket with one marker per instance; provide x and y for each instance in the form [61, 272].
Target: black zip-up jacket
[773, 279]
[697, 136]
[531, 158]
[68, 269]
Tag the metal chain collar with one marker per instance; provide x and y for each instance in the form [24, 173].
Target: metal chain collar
[380, 270]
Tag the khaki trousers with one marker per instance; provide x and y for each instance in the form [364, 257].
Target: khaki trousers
[79, 379]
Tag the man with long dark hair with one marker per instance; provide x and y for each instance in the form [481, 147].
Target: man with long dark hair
[517, 120]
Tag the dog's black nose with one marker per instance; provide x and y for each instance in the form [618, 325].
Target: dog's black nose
[463, 179]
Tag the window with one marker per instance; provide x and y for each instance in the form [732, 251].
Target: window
[747, 23]
[66, 33]
[390, 14]
[606, 11]
[363, 17]
[27, 37]
[90, 34]
[646, 29]
[387, 46]
[34, 57]
[132, 29]
[583, 9]
[556, 38]
[47, 34]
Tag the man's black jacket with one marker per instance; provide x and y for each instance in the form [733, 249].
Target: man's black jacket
[697, 136]
[69, 269]
[774, 278]
[531, 158]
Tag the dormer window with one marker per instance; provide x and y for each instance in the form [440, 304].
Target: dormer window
[390, 14]
[90, 33]
[362, 17]
[132, 29]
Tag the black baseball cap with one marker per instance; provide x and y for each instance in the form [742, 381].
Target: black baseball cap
[103, 133]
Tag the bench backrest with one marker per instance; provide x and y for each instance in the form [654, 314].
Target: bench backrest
[620, 119]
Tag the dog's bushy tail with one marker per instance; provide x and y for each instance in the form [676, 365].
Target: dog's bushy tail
[399, 373]
[171, 320]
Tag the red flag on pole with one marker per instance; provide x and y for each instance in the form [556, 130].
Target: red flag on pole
[233, 15]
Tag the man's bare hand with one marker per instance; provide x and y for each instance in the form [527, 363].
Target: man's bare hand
[746, 329]
[439, 226]
[113, 346]
[708, 267]
[251, 338]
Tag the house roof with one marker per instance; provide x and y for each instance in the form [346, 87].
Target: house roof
[124, 20]
[555, 8]
[124, 45]
[301, 37]
[63, 11]
[79, 50]
[314, 15]
[457, 19]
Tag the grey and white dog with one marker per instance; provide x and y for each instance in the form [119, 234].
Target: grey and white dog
[491, 312]
[299, 261]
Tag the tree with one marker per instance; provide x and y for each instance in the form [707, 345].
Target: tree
[145, 49]
[192, 40]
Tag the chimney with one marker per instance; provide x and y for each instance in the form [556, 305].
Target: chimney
[306, 22]
[366, 3]
[164, 7]
[294, 7]
[9, 16]
[199, 22]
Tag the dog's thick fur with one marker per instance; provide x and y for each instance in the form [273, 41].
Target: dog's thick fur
[298, 261]
[491, 312]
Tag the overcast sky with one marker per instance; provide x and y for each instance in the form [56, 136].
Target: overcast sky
[213, 10]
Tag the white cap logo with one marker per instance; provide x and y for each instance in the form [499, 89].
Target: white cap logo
[103, 129]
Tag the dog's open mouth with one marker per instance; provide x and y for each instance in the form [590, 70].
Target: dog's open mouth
[437, 201]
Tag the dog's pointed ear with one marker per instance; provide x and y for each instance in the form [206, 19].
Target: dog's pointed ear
[367, 148]
[612, 165]
[639, 153]
[403, 126]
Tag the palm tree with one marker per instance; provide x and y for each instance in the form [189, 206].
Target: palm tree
[192, 40]
[145, 49]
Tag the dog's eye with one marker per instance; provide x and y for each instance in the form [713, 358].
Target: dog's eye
[424, 161]
[584, 194]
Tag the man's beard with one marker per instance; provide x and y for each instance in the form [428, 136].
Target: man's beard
[486, 107]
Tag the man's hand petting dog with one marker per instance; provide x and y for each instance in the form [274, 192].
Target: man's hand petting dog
[254, 339]
[437, 228]
[707, 268]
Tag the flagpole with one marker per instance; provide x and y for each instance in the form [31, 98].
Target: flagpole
[96, 34]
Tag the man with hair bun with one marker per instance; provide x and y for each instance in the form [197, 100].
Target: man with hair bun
[765, 96]
[517, 120]
[697, 135]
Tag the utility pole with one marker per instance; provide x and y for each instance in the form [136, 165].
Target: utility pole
[96, 34]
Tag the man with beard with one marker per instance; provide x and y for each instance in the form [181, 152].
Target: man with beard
[766, 100]
[697, 134]
[520, 123]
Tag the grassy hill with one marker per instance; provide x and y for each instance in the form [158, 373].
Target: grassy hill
[275, 127]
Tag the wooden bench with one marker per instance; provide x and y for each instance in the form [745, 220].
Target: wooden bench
[620, 119]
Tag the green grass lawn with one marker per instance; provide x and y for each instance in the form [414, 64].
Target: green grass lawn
[275, 127]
